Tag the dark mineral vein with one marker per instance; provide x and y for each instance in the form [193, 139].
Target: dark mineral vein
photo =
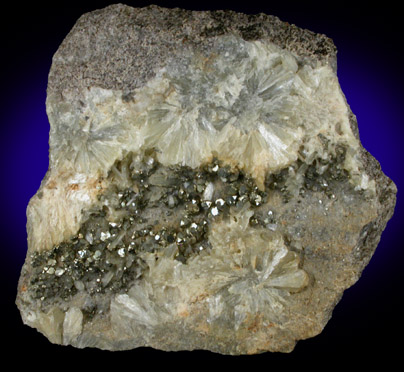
[162, 209]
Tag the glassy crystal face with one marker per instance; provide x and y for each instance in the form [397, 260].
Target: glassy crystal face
[220, 206]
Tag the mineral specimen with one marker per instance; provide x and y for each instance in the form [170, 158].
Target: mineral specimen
[207, 188]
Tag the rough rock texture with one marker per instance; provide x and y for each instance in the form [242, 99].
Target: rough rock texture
[206, 190]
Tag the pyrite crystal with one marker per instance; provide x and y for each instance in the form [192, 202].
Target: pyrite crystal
[207, 188]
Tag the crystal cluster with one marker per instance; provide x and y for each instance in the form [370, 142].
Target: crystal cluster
[207, 188]
[161, 212]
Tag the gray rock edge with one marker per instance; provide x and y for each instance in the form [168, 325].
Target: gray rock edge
[161, 34]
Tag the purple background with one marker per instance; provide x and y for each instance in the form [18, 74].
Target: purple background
[371, 76]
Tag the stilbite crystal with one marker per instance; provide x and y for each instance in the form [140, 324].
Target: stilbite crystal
[206, 187]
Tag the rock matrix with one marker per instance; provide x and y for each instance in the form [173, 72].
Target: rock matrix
[207, 188]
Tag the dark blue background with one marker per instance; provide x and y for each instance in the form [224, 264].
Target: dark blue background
[370, 69]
